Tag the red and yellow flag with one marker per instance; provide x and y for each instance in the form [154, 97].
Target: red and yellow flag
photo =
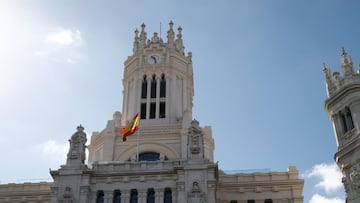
[130, 128]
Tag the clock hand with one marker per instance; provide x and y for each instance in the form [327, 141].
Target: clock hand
[154, 58]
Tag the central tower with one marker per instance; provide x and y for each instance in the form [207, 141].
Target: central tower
[158, 80]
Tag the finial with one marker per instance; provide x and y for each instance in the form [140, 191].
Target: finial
[343, 52]
[180, 29]
[80, 128]
[143, 26]
[171, 23]
[324, 67]
[136, 31]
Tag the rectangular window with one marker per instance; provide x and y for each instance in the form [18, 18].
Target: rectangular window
[153, 89]
[143, 111]
[144, 90]
[162, 88]
[133, 196]
[162, 110]
[152, 109]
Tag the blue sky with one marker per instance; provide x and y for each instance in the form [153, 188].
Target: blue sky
[258, 78]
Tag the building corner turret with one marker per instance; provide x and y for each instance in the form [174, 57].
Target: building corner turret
[343, 108]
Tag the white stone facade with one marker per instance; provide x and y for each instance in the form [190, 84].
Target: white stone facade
[171, 157]
[343, 108]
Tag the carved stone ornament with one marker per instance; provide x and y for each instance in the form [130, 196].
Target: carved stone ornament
[68, 195]
[196, 196]
[355, 178]
[195, 137]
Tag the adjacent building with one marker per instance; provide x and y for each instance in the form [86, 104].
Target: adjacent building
[170, 159]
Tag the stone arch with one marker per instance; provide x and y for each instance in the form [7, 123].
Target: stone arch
[162, 149]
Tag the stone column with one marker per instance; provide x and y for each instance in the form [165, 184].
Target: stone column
[173, 195]
[142, 194]
[157, 108]
[108, 196]
[159, 195]
[125, 197]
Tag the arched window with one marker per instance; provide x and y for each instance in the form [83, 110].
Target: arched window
[346, 119]
[144, 87]
[117, 196]
[162, 86]
[133, 196]
[167, 196]
[153, 87]
[268, 201]
[100, 196]
[150, 196]
[149, 156]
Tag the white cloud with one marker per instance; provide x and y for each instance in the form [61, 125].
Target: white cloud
[65, 37]
[62, 46]
[53, 150]
[329, 175]
[321, 199]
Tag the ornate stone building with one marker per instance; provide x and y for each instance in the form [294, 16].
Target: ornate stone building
[343, 108]
[169, 159]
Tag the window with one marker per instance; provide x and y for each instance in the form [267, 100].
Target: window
[143, 111]
[150, 196]
[144, 88]
[251, 201]
[117, 196]
[149, 156]
[347, 120]
[268, 201]
[100, 197]
[133, 196]
[233, 201]
[162, 86]
[153, 87]
[162, 110]
[167, 196]
[152, 109]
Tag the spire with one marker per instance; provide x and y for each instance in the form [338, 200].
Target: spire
[170, 35]
[142, 37]
[136, 41]
[179, 42]
[346, 63]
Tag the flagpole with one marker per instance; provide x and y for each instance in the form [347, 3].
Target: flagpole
[138, 141]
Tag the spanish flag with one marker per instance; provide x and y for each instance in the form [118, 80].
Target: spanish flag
[131, 127]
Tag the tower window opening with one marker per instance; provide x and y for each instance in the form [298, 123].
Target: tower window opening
[133, 196]
[100, 197]
[153, 87]
[144, 88]
[167, 196]
[162, 110]
[162, 86]
[150, 196]
[117, 196]
[347, 120]
[143, 111]
[251, 201]
[152, 109]
[233, 201]
[268, 201]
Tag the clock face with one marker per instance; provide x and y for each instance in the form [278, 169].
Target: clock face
[154, 59]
